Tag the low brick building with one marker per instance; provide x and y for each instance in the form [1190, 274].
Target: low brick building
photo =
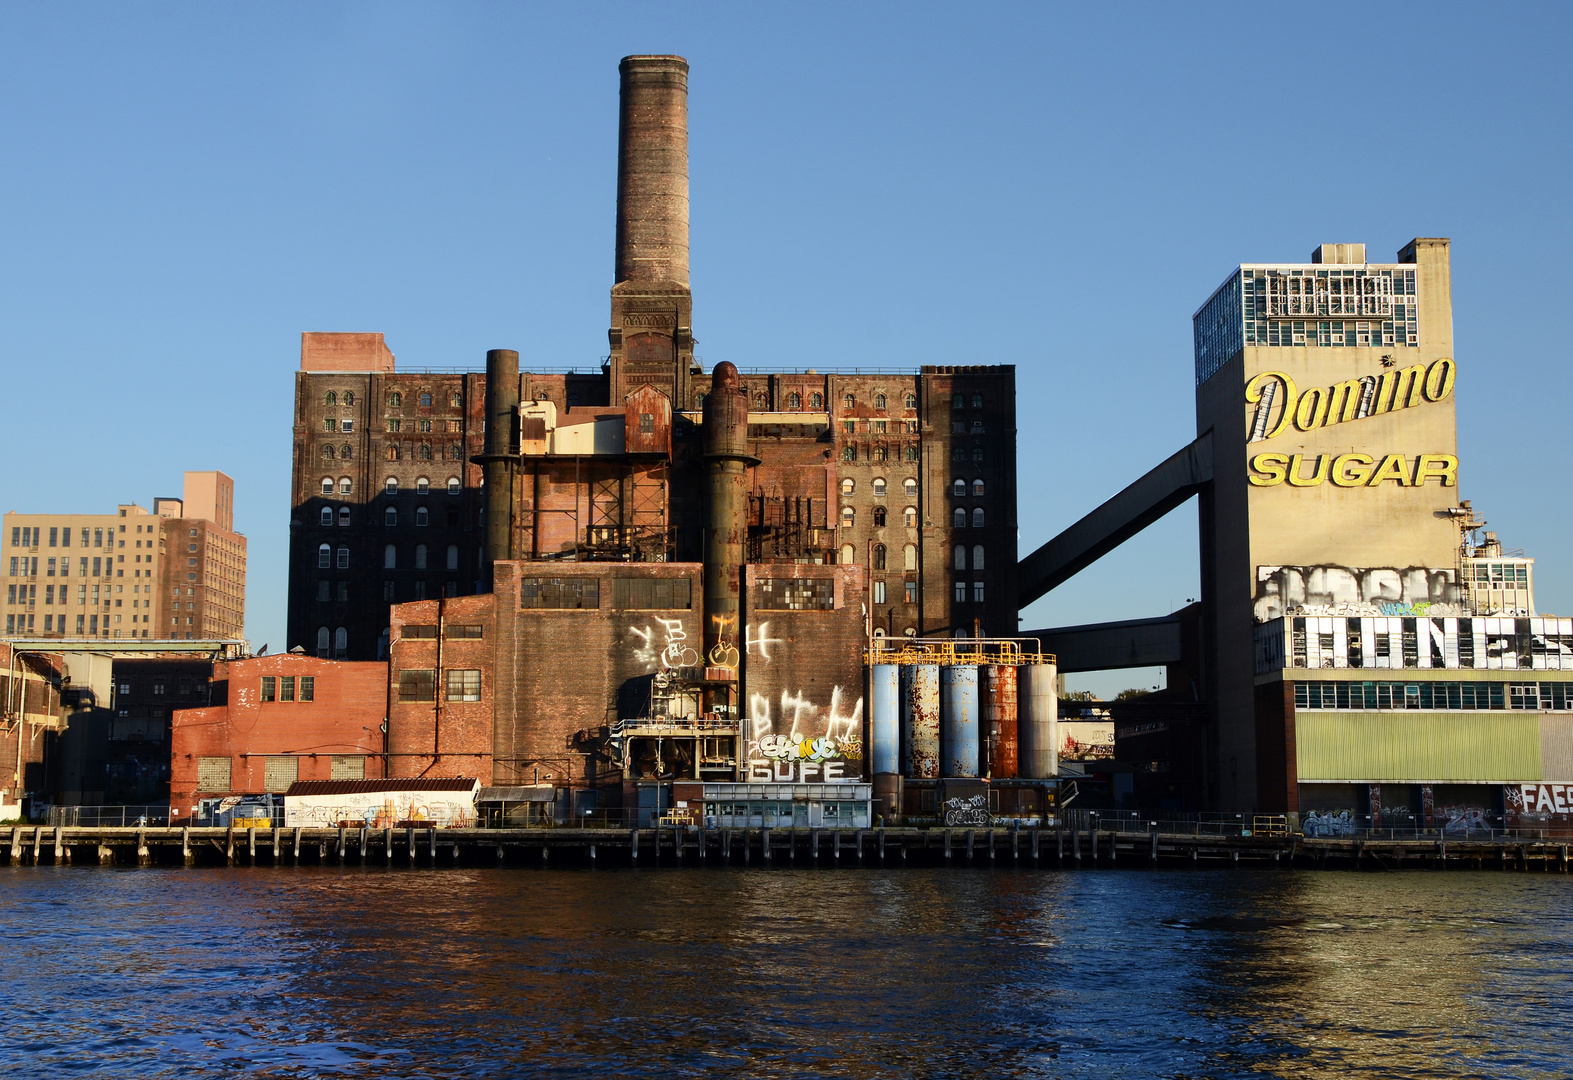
[284, 718]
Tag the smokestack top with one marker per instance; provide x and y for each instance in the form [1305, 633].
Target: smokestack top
[724, 377]
[652, 171]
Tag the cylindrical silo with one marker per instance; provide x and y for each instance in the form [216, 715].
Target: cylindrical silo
[999, 719]
[920, 721]
[1038, 704]
[886, 693]
[958, 710]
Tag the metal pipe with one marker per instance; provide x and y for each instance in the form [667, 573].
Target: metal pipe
[726, 504]
[502, 454]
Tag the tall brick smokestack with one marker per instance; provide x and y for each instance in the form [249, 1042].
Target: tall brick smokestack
[726, 506]
[652, 170]
[502, 453]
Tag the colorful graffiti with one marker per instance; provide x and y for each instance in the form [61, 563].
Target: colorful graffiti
[380, 810]
[1355, 591]
[779, 747]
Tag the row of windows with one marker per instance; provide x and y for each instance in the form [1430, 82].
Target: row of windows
[32, 536]
[278, 773]
[282, 688]
[796, 594]
[911, 597]
[909, 556]
[391, 452]
[648, 594]
[1433, 695]
[879, 427]
[395, 399]
[24, 566]
[420, 684]
[449, 588]
[340, 647]
[881, 452]
[450, 630]
[909, 487]
[390, 557]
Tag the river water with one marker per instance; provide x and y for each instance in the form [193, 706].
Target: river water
[306, 972]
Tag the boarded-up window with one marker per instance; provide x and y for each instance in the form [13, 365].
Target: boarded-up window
[463, 630]
[796, 594]
[652, 593]
[464, 684]
[418, 685]
[278, 773]
[560, 593]
[212, 774]
[346, 767]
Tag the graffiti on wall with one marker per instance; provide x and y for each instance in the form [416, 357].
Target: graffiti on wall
[663, 644]
[972, 811]
[798, 735]
[1356, 591]
[381, 810]
[1328, 823]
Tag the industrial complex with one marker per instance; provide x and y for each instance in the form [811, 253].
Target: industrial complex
[652, 590]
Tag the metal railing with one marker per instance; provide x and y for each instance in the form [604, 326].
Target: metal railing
[100, 817]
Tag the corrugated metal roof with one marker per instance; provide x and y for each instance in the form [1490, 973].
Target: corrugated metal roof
[355, 787]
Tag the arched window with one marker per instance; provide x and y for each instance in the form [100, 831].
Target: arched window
[909, 517]
[909, 486]
[327, 515]
[879, 556]
[879, 631]
[420, 556]
[879, 401]
[849, 453]
[390, 516]
[909, 557]
[327, 453]
[425, 400]
[959, 401]
[959, 489]
[849, 402]
[325, 556]
[910, 632]
[912, 401]
[912, 451]
[453, 556]
[761, 402]
[349, 397]
[424, 452]
[346, 485]
[456, 399]
[816, 401]
[455, 452]
[959, 518]
[344, 517]
[977, 401]
[453, 485]
[977, 488]
[390, 486]
[880, 452]
[848, 553]
[395, 399]
[331, 398]
[848, 486]
[392, 453]
[324, 641]
[343, 558]
[879, 487]
[977, 517]
[958, 453]
[421, 517]
[327, 485]
[879, 517]
[422, 485]
[961, 557]
[977, 455]
[346, 452]
[390, 557]
[341, 643]
[977, 556]
[794, 400]
[848, 516]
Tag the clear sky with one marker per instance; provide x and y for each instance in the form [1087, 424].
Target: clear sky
[186, 188]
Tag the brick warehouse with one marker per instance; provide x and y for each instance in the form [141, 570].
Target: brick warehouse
[627, 578]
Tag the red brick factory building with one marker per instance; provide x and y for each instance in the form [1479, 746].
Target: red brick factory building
[636, 570]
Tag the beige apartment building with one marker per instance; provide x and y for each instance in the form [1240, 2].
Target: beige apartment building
[175, 573]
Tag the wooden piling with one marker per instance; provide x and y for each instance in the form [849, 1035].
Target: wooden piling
[185, 846]
[16, 845]
[143, 856]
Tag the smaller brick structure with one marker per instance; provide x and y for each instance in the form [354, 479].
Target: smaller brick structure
[287, 718]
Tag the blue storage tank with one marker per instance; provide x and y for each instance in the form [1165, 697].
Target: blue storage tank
[886, 694]
[958, 709]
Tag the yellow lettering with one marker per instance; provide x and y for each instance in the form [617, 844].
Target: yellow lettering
[1312, 410]
[1271, 466]
[1352, 470]
[1400, 389]
[1393, 467]
[1442, 466]
[1439, 379]
[1258, 386]
[1343, 401]
[1296, 480]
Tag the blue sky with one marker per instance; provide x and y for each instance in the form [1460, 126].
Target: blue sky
[184, 189]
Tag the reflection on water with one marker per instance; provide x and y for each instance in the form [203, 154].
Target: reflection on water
[956, 973]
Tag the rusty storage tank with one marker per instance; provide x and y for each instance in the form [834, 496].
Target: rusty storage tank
[920, 721]
[999, 719]
[885, 735]
[1038, 704]
[958, 712]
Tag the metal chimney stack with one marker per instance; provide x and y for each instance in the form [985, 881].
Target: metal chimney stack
[502, 453]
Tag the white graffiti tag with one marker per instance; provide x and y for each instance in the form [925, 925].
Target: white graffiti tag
[800, 718]
[669, 650]
[762, 642]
